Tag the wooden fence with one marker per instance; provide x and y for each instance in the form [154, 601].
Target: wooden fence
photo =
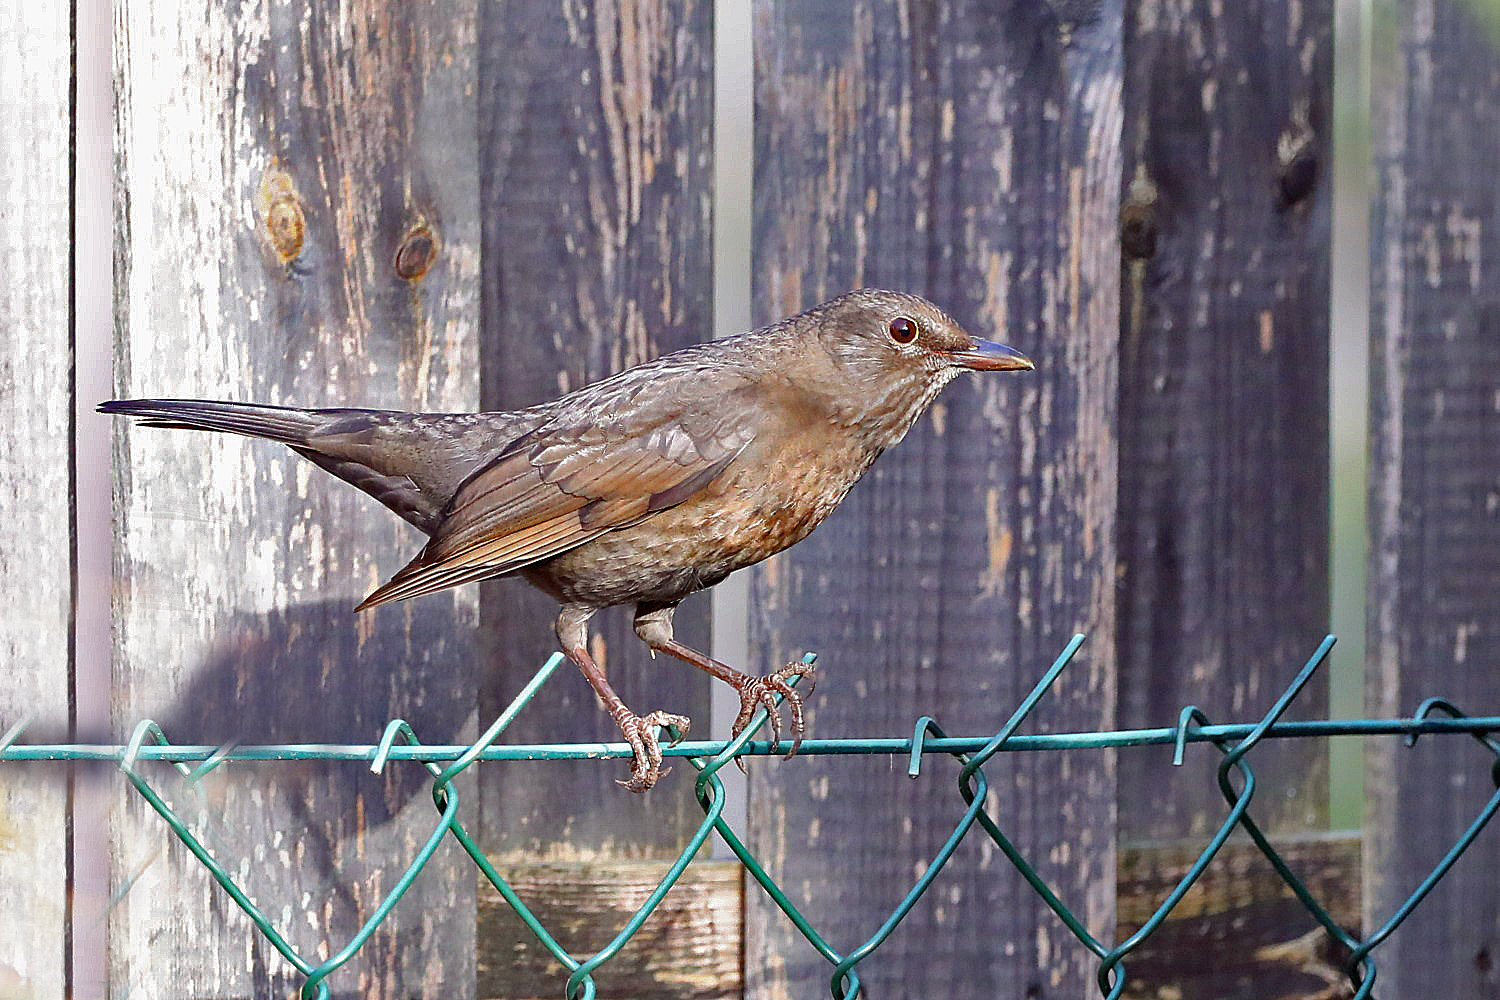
[456, 205]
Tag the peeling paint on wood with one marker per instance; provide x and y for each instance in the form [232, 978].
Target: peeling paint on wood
[1434, 552]
[596, 140]
[36, 403]
[271, 159]
[969, 153]
[1223, 522]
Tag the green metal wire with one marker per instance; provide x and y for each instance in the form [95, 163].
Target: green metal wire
[1468, 725]
[1236, 780]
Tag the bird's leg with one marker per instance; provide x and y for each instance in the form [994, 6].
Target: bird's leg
[639, 731]
[653, 623]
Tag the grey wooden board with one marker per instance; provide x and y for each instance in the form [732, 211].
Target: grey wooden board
[1434, 569]
[1224, 394]
[968, 152]
[596, 141]
[239, 564]
[35, 544]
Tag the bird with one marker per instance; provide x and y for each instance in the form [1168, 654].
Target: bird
[643, 487]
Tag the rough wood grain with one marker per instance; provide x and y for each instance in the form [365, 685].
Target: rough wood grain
[36, 404]
[1223, 522]
[1434, 566]
[596, 141]
[297, 223]
[968, 152]
[1239, 932]
[688, 949]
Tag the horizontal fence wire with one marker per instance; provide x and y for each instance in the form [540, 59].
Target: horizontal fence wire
[1236, 780]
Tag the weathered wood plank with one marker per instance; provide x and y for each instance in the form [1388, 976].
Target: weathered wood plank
[596, 140]
[1434, 568]
[1239, 932]
[283, 172]
[970, 153]
[688, 949]
[36, 404]
[1223, 391]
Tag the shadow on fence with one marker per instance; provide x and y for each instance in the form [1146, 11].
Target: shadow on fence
[399, 742]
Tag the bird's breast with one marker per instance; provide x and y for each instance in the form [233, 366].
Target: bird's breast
[771, 497]
[763, 507]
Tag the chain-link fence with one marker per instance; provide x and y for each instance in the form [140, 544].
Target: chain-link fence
[1236, 779]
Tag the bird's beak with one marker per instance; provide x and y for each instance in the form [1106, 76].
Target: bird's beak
[988, 356]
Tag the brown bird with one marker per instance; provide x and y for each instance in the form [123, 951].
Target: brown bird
[646, 486]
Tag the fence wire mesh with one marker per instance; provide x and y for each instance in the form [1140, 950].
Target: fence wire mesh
[1236, 780]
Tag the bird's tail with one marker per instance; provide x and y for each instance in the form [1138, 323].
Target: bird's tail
[278, 423]
[410, 462]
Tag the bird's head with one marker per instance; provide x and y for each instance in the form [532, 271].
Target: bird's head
[898, 351]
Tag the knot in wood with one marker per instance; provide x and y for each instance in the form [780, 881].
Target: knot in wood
[1138, 224]
[415, 254]
[286, 224]
[1297, 162]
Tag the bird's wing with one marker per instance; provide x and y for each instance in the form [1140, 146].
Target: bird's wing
[566, 482]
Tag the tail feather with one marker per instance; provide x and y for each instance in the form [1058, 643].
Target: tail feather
[278, 423]
[411, 463]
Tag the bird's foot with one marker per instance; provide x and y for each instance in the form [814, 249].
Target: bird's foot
[640, 733]
[756, 692]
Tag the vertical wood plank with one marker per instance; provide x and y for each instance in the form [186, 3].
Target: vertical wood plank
[280, 169]
[36, 404]
[596, 140]
[1223, 523]
[968, 152]
[1435, 484]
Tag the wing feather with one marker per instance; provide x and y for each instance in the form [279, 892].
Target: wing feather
[565, 483]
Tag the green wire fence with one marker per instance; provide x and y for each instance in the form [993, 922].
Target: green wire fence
[1235, 777]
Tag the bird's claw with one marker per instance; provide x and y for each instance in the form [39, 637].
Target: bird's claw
[640, 733]
[756, 692]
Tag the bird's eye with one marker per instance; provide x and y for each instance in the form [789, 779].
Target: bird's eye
[903, 330]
